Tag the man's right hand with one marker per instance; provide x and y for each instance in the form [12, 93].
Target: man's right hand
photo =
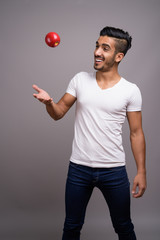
[42, 95]
[55, 110]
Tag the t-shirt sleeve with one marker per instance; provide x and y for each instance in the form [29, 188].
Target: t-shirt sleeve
[135, 101]
[71, 89]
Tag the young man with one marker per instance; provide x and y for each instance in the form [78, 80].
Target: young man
[103, 100]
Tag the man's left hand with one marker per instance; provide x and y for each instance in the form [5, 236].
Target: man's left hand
[139, 185]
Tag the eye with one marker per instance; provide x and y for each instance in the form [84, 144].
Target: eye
[106, 49]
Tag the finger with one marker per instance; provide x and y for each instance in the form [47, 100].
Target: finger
[134, 189]
[34, 94]
[38, 98]
[48, 102]
[139, 193]
[36, 88]
[136, 195]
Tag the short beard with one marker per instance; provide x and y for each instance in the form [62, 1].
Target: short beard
[110, 65]
[98, 69]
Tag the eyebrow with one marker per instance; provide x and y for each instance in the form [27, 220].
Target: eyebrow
[103, 44]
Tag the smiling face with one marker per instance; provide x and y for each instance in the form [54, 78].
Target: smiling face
[105, 55]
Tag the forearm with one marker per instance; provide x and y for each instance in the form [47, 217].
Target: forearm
[139, 150]
[54, 110]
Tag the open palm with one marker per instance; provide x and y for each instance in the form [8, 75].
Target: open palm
[42, 95]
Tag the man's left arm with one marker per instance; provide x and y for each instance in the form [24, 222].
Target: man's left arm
[138, 148]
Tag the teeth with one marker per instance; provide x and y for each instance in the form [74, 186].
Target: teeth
[98, 60]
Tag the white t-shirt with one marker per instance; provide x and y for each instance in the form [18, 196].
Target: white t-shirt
[100, 115]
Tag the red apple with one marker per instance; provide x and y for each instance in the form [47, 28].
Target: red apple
[52, 39]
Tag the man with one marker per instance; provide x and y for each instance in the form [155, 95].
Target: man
[103, 100]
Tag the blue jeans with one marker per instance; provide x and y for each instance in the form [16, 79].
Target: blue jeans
[114, 185]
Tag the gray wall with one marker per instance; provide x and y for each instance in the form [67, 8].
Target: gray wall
[35, 150]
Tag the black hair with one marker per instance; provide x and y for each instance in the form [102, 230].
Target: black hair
[122, 38]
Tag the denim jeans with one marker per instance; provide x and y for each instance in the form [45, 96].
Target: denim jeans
[114, 185]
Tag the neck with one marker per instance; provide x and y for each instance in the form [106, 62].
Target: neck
[107, 79]
[110, 76]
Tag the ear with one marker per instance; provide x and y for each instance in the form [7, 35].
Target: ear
[119, 57]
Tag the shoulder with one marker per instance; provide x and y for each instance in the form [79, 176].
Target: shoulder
[130, 87]
[128, 84]
[82, 75]
[82, 78]
[133, 96]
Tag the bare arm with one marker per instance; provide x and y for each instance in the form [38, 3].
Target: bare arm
[138, 148]
[55, 110]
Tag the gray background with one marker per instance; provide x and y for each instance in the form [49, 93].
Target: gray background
[35, 150]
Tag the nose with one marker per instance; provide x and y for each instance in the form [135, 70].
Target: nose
[98, 51]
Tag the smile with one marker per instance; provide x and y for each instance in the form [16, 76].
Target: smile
[98, 59]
